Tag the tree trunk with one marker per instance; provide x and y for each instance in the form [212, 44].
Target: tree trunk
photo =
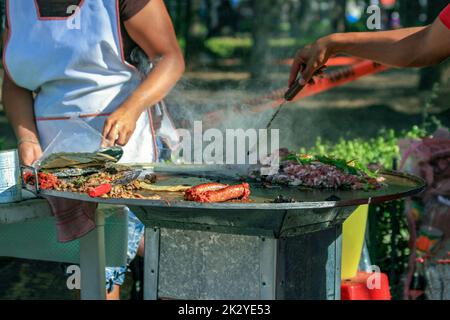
[299, 18]
[339, 19]
[410, 11]
[176, 12]
[265, 13]
[208, 18]
[187, 30]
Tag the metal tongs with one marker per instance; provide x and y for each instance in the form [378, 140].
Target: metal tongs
[294, 90]
[290, 94]
[106, 187]
[35, 172]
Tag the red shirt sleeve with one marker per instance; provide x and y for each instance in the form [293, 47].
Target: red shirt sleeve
[445, 16]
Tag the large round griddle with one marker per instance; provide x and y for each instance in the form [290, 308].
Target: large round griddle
[399, 185]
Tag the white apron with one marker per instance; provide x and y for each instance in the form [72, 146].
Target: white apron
[75, 72]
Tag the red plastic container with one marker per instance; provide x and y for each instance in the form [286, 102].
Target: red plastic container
[366, 286]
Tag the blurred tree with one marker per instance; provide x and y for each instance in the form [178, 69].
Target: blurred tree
[220, 15]
[191, 30]
[266, 15]
[211, 18]
[299, 17]
[189, 47]
[410, 12]
[338, 16]
[179, 16]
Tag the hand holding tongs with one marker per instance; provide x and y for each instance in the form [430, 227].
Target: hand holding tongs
[294, 89]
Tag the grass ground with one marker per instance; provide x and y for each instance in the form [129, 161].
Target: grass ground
[359, 109]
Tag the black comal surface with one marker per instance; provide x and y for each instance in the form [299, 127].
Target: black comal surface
[398, 185]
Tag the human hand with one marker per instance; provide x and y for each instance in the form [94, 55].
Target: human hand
[29, 151]
[310, 61]
[120, 126]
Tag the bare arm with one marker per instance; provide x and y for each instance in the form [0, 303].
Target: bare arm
[384, 46]
[153, 31]
[411, 47]
[415, 47]
[18, 104]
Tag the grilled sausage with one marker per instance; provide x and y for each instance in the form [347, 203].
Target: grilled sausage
[193, 193]
[240, 191]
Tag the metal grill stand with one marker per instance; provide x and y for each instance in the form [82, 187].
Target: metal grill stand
[242, 254]
[246, 250]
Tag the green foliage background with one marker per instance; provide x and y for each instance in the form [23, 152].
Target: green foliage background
[388, 233]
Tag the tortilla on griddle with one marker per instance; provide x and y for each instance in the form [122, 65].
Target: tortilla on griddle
[158, 188]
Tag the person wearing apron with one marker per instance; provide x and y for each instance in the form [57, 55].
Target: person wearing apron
[73, 66]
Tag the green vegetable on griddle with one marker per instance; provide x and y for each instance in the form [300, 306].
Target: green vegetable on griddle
[349, 167]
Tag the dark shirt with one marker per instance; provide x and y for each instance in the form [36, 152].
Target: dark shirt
[58, 8]
[128, 9]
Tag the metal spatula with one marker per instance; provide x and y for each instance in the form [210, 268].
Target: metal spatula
[106, 187]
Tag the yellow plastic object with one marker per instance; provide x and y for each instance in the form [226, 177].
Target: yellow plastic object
[352, 241]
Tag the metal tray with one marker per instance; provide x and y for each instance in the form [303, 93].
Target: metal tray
[399, 185]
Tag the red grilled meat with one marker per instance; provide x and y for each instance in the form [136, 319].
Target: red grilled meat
[240, 192]
[193, 193]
